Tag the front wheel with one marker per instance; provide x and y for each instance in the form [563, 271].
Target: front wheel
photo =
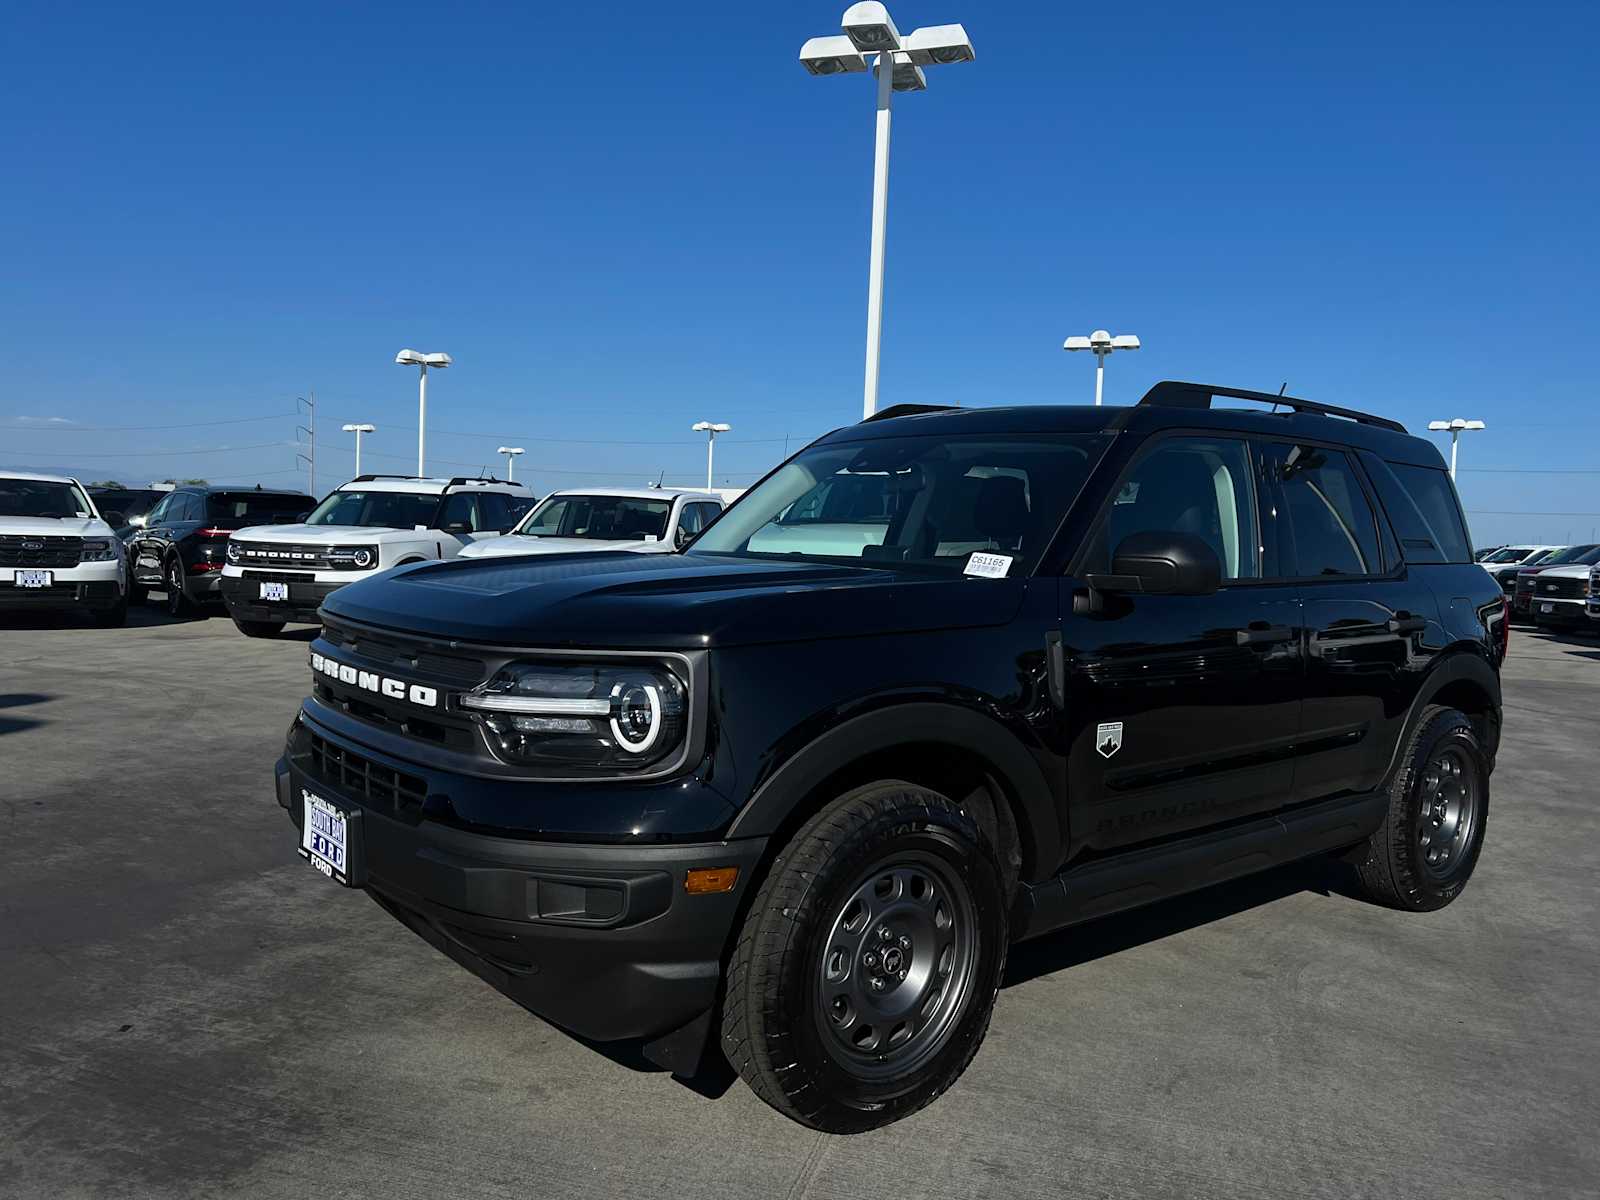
[1425, 851]
[178, 602]
[866, 971]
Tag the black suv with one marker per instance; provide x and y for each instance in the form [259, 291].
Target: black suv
[794, 790]
[183, 545]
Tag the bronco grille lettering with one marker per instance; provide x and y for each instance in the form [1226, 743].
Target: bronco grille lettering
[382, 685]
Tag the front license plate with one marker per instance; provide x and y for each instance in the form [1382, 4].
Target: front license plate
[32, 578]
[274, 591]
[325, 837]
[1547, 608]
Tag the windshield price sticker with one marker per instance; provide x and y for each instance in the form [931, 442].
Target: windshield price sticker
[988, 566]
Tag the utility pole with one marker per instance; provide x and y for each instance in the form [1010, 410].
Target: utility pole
[309, 455]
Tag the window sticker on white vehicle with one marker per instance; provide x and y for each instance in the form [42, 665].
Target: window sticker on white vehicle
[650, 537]
[988, 566]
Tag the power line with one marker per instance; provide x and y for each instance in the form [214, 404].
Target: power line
[149, 453]
[74, 427]
[1495, 512]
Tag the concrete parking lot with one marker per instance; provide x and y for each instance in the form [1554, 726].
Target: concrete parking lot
[186, 1009]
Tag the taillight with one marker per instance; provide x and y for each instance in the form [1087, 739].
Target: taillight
[215, 533]
[205, 565]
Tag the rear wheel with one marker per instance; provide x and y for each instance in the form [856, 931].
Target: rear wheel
[1426, 849]
[258, 629]
[178, 602]
[866, 971]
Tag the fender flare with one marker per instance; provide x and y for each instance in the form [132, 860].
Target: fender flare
[1009, 761]
[1458, 666]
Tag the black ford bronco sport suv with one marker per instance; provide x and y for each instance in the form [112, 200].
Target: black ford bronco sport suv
[942, 681]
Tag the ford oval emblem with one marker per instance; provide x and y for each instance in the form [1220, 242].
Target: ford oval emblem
[33, 545]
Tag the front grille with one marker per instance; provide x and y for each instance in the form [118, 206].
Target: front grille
[357, 775]
[306, 558]
[1561, 587]
[17, 550]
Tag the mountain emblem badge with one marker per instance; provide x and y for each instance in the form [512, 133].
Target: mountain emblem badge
[1108, 738]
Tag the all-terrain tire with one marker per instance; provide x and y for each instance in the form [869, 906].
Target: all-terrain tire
[1394, 869]
[774, 1020]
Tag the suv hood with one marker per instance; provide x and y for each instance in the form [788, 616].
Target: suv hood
[56, 527]
[516, 543]
[667, 601]
[314, 535]
[1565, 571]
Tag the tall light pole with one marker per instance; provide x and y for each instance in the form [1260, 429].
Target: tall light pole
[438, 362]
[1454, 426]
[511, 453]
[358, 430]
[1103, 344]
[710, 429]
[868, 30]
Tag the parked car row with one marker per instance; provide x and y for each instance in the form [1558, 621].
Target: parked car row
[270, 556]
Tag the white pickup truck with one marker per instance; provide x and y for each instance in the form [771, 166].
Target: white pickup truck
[58, 551]
[281, 573]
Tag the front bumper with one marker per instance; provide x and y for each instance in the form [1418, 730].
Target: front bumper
[242, 595]
[92, 587]
[1563, 612]
[600, 939]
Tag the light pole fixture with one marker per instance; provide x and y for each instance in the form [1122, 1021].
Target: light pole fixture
[710, 429]
[1102, 343]
[358, 430]
[418, 359]
[1454, 426]
[511, 453]
[869, 30]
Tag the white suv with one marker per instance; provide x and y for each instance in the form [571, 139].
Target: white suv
[57, 551]
[281, 573]
[644, 520]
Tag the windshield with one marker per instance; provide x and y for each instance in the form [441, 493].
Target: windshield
[603, 518]
[260, 507]
[130, 502]
[1508, 555]
[1572, 554]
[1537, 557]
[42, 498]
[912, 501]
[377, 510]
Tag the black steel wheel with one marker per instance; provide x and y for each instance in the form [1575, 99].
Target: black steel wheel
[865, 972]
[1428, 845]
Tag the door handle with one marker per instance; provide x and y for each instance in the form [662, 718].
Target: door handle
[1261, 634]
[1405, 623]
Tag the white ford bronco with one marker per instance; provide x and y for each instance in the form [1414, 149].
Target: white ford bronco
[281, 573]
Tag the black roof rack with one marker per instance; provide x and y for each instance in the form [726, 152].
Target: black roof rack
[907, 410]
[369, 478]
[458, 480]
[1172, 394]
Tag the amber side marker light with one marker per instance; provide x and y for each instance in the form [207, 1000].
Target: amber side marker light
[702, 881]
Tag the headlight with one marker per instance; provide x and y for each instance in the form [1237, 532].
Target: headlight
[234, 553]
[352, 558]
[600, 715]
[97, 550]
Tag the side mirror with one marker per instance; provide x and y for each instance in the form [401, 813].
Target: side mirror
[136, 522]
[1162, 564]
[115, 519]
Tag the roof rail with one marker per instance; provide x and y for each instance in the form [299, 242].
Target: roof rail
[1172, 394]
[908, 410]
[370, 478]
[459, 480]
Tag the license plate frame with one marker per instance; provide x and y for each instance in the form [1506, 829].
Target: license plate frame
[330, 838]
[274, 591]
[31, 577]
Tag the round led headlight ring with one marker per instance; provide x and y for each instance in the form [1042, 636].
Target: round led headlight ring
[362, 558]
[232, 552]
[636, 703]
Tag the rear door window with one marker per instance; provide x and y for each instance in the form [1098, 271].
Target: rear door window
[1334, 530]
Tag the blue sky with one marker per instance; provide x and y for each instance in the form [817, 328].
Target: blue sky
[619, 220]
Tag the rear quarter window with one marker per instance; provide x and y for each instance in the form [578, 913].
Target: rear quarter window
[1434, 495]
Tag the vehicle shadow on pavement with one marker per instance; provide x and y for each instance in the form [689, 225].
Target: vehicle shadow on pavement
[1112, 935]
[10, 724]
